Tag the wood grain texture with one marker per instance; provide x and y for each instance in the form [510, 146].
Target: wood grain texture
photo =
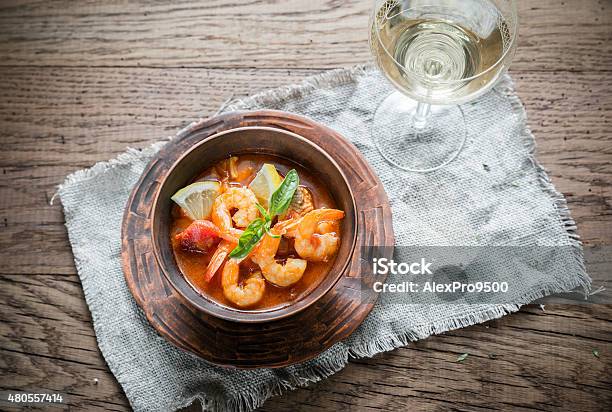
[81, 81]
[568, 35]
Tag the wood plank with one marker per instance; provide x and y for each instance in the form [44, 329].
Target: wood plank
[308, 34]
[47, 342]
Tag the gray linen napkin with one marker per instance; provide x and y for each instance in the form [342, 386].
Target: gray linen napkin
[510, 201]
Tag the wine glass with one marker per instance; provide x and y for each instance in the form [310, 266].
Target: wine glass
[437, 54]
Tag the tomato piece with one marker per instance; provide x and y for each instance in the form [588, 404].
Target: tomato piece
[200, 236]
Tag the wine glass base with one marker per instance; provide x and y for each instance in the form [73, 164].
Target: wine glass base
[414, 149]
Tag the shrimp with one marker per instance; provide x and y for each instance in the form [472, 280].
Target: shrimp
[280, 274]
[247, 294]
[327, 227]
[217, 259]
[284, 275]
[314, 239]
[240, 198]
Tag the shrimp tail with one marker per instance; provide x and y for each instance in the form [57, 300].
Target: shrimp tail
[313, 246]
[217, 259]
[215, 263]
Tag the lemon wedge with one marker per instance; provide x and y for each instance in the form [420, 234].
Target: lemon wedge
[265, 183]
[197, 199]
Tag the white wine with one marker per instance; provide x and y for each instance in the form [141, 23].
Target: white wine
[438, 54]
[436, 60]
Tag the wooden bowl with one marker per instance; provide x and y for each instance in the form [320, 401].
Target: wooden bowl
[312, 328]
[236, 142]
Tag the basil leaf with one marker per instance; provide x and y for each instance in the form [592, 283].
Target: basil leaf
[249, 238]
[281, 198]
[267, 229]
[263, 211]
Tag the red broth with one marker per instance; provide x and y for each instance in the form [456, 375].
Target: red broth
[193, 264]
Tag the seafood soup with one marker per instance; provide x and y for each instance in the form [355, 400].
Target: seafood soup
[255, 232]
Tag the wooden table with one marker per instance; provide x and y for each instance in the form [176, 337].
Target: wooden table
[81, 81]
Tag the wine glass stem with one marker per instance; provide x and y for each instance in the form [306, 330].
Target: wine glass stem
[420, 115]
